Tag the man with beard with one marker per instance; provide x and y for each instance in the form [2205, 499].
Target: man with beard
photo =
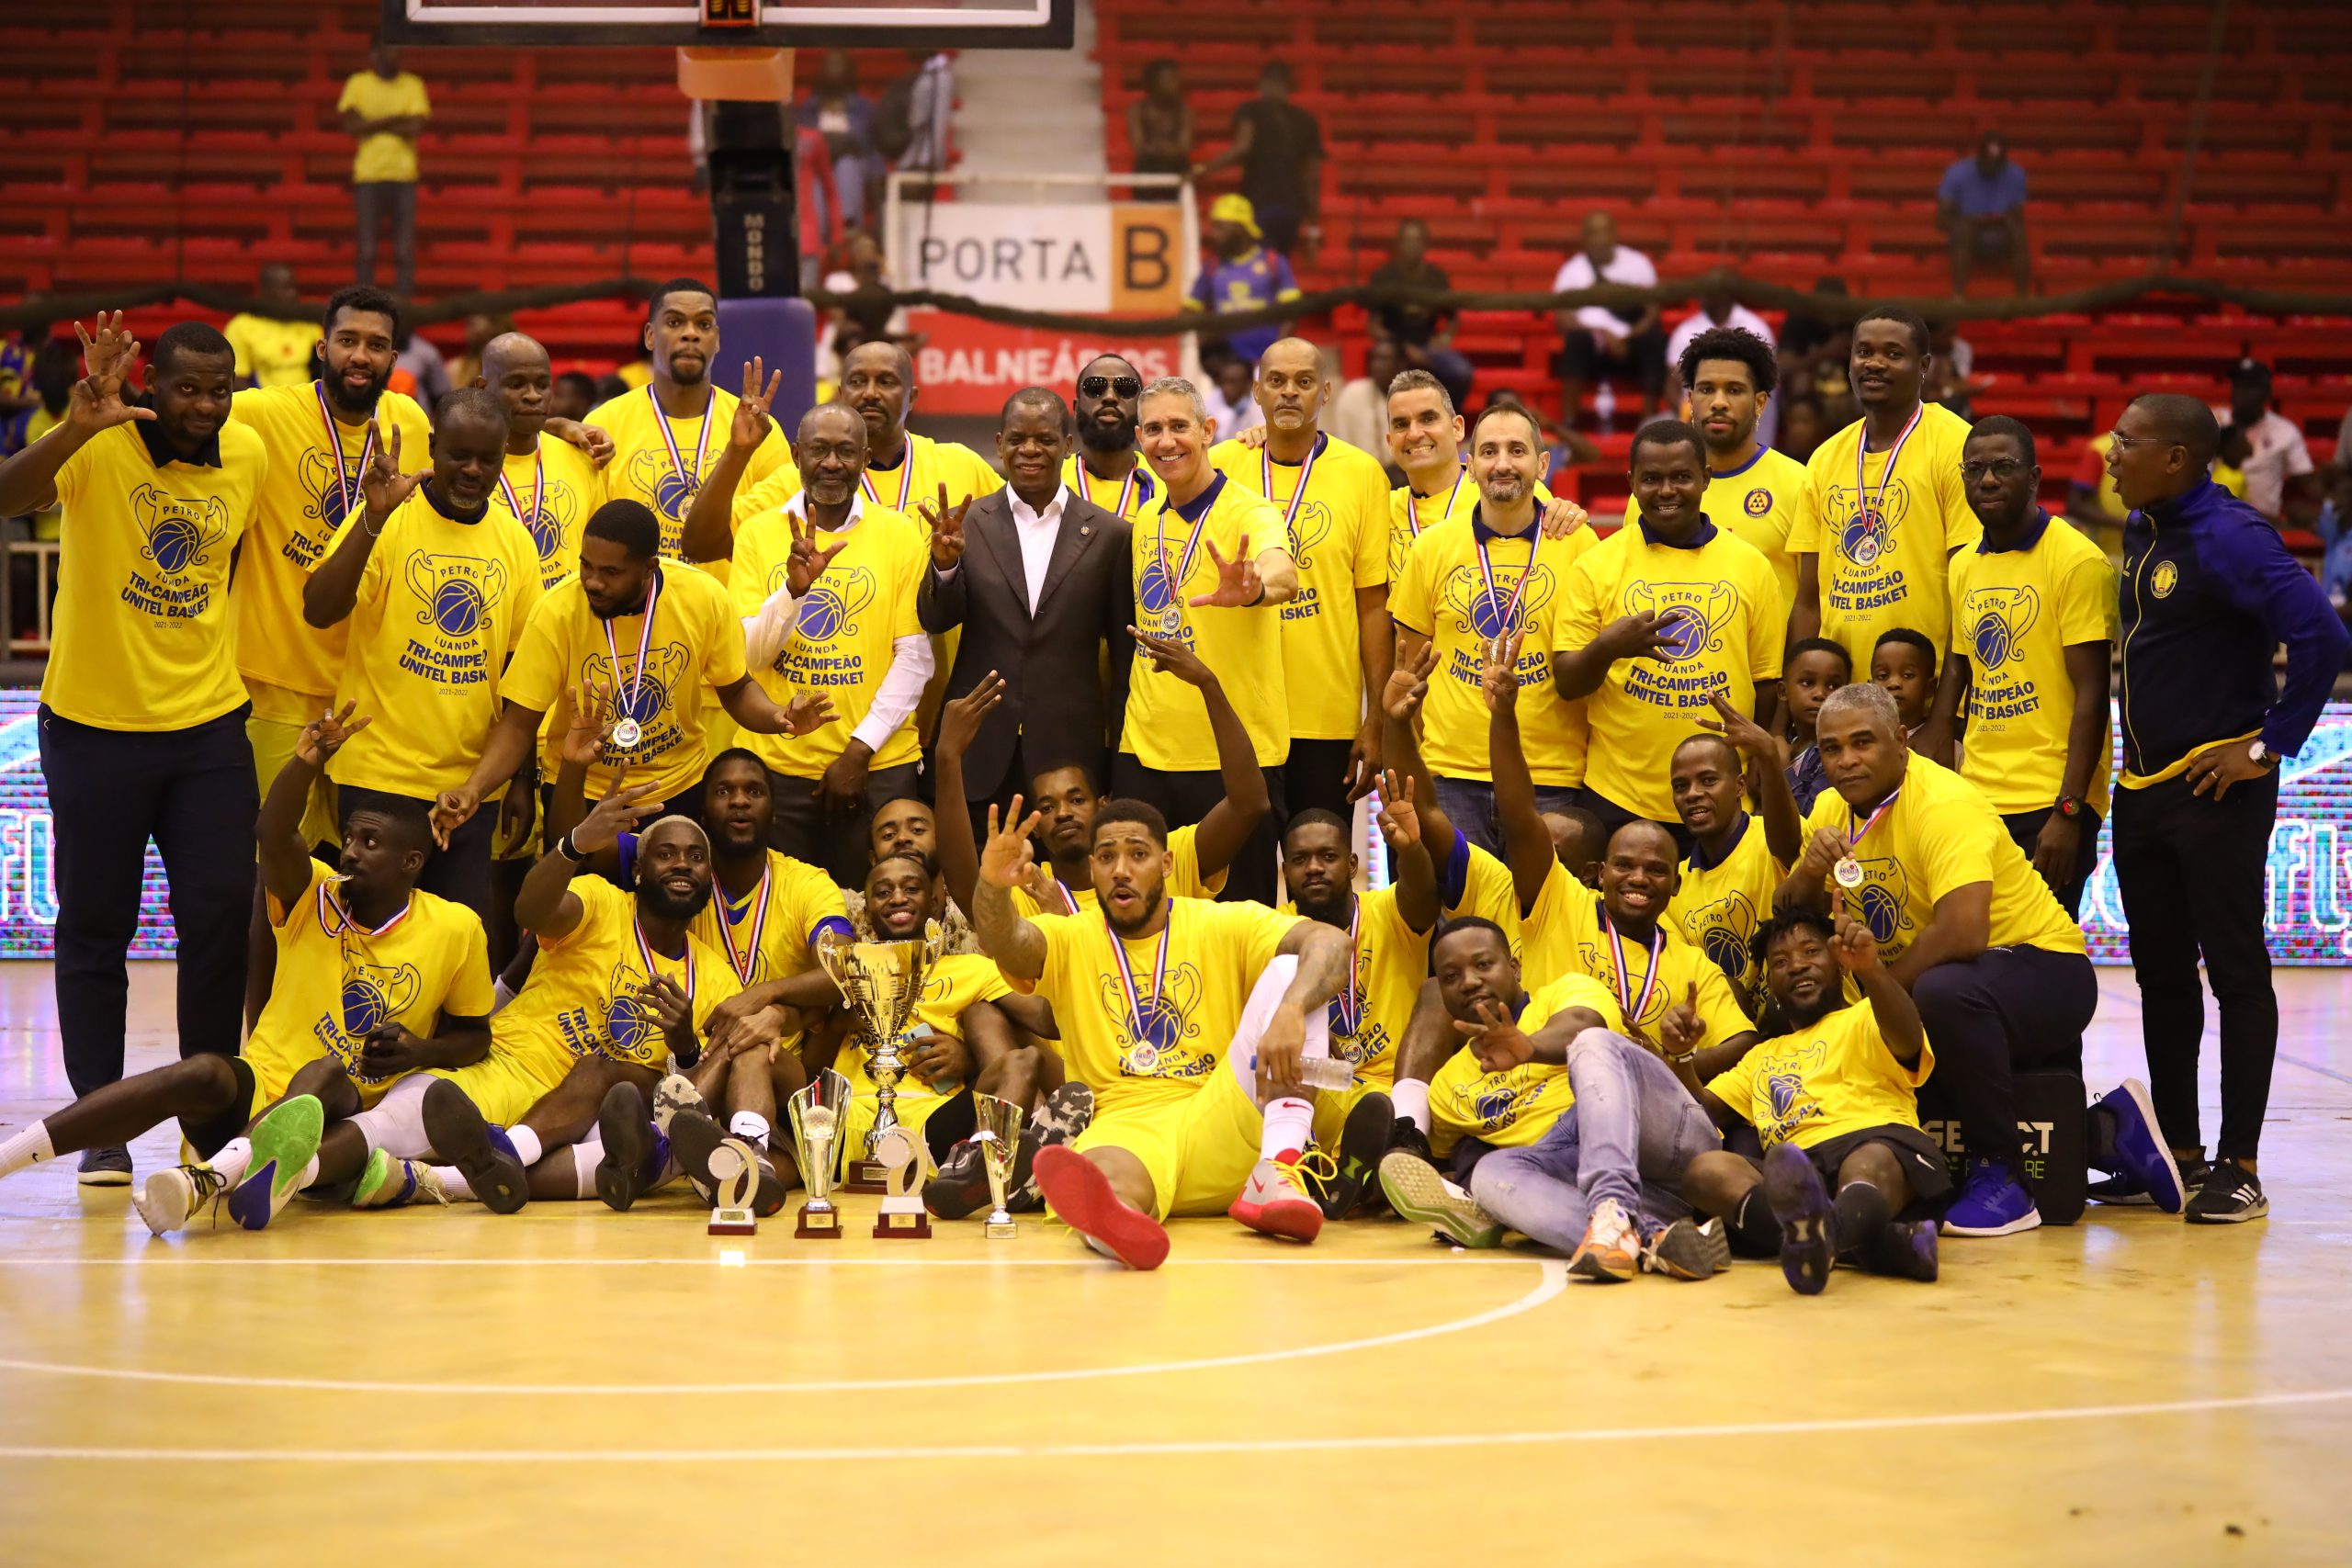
[320, 436]
[826, 587]
[1337, 638]
[1194, 1046]
[1874, 538]
[1469, 581]
[547, 484]
[1666, 614]
[143, 719]
[1729, 375]
[639, 643]
[437, 587]
[1106, 469]
[375, 981]
[620, 987]
[663, 434]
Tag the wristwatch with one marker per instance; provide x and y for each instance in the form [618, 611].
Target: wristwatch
[2261, 756]
[2070, 806]
[1685, 1059]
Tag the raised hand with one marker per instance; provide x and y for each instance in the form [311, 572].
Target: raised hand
[806, 561]
[807, 712]
[1563, 517]
[667, 1002]
[1681, 1029]
[1174, 657]
[107, 358]
[324, 736]
[1006, 859]
[1495, 1039]
[1856, 945]
[959, 721]
[946, 529]
[1408, 683]
[382, 482]
[751, 424]
[1751, 739]
[1400, 820]
[619, 812]
[1238, 587]
[1640, 635]
[1498, 675]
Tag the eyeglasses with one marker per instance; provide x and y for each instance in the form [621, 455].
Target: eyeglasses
[2127, 442]
[2002, 469]
[1096, 386]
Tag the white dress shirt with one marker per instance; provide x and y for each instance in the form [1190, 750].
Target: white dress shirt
[1037, 532]
[1626, 266]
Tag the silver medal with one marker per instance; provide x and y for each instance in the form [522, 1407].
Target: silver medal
[626, 735]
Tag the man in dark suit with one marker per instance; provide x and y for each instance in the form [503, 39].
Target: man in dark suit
[1039, 579]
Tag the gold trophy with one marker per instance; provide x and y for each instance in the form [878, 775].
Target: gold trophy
[880, 982]
[907, 1157]
[733, 1178]
[817, 1112]
[999, 1137]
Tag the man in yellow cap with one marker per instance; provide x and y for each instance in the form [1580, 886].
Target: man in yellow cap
[1244, 277]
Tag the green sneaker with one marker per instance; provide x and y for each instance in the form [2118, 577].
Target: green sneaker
[284, 1142]
[388, 1183]
[1417, 1191]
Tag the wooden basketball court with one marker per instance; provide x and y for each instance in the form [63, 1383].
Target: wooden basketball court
[573, 1385]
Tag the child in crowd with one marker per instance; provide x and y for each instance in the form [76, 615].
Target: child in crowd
[1904, 663]
[1817, 667]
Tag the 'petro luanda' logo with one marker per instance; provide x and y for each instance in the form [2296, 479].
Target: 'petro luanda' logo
[179, 534]
[458, 591]
[1997, 620]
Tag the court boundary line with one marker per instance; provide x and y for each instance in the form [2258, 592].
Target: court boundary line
[1552, 1280]
[1946, 1419]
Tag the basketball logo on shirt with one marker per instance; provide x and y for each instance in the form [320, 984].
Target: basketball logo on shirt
[1758, 503]
[665, 670]
[833, 603]
[458, 591]
[1308, 529]
[1870, 529]
[1722, 931]
[1495, 1102]
[333, 494]
[1691, 616]
[179, 534]
[1997, 620]
[372, 994]
[1490, 616]
[1784, 1091]
[549, 515]
[1154, 1047]
[1882, 900]
[666, 490]
[630, 1022]
[1603, 967]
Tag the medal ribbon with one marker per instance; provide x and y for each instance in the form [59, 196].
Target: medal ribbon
[1631, 1008]
[1184, 567]
[645, 953]
[342, 922]
[1487, 571]
[1413, 502]
[644, 642]
[1070, 899]
[1854, 840]
[538, 489]
[702, 437]
[906, 479]
[1127, 979]
[743, 962]
[347, 492]
[1266, 486]
[1895, 455]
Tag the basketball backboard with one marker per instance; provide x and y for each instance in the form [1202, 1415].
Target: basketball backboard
[783, 24]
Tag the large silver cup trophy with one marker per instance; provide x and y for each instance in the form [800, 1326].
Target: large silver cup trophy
[880, 983]
[819, 1113]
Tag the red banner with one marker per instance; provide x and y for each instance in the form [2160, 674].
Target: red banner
[966, 366]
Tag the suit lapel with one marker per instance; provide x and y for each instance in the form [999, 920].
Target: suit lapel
[995, 527]
[1077, 532]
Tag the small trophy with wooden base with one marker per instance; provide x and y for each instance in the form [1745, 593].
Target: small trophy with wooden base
[998, 1135]
[734, 1177]
[908, 1159]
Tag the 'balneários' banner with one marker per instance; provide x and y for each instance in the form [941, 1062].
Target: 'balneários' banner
[968, 366]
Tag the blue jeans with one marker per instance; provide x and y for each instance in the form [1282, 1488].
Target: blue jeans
[1471, 803]
[1631, 1135]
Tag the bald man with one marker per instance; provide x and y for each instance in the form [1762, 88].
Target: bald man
[548, 485]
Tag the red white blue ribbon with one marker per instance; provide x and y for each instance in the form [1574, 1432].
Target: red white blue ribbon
[1626, 1003]
[644, 643]
[348, 491]
[645, 955]
[538, 487]
[1128, 977]
[702, 437]
[1503, 613]
[1854, 837]
[1895, 455]
[906, 479]
[1298, 496]
[1346, 1012]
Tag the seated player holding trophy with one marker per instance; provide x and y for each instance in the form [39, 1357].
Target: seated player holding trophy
[386, 978]
[1197, 1037]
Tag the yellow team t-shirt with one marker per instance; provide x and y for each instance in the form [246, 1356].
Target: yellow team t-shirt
[2014, 614]
[315, 462]
[1167, 724]
[1824, 1082]
[905, 489]
[336, 982]
[1940, 835]
[842, 643]
[1721, 610]
[771, 933]
[1126, 497]
[1184, 880]
[552, 491]
[1338, 533]
[695, 642]
[1367, 1018]
[1411, 514]
[1215, 953]
[273, 353]
[1888, 569]
[383, 157]
[140, 636]
[643, 470]
[441, 606]
[1515, 1108]
[1719, 906]
[1445, 594]
[1760, 499]
[949, 987]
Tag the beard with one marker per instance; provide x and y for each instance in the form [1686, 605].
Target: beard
[1330, 909]
[1098, 437]
[340, 394]
[1151, 902]
[657, 897]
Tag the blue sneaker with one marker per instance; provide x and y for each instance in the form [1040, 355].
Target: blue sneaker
[284, 1142]
[2140, 1151]
[1802, 1205]
[1991, 1202]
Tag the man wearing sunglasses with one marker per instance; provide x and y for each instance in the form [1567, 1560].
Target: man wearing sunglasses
[2208, 593]
[1106, 469]
[2032, 616]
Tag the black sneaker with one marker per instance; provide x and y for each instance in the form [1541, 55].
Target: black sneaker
[483, 1154]
[2231, 1195]
[961, 1186]
[694, 1138]
[1059, 1117]
[1406, 1135]
[105, 1167]
[1363, 1138]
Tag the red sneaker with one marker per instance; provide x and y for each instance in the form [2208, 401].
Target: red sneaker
[1274, 1202]
[1079, 1195]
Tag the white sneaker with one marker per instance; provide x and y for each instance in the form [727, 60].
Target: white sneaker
[671, 1095]
[171, 1197]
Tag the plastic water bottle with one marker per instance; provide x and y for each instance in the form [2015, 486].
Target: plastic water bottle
[1333, 1073]
[1604, 408]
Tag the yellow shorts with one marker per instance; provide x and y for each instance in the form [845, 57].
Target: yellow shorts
[1199, 1152]
[1332, 1110]
[506, 1084]
[274, 1069]
[272, 743]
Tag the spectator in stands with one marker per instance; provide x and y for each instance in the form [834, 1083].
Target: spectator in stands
[17, 399]
[930, 92]
[1280, 149]
[1231, 408]
[2275, 451]
[844, 117]
[1360, 413]
[867, 311]
[1424, 332]
[573, 395]
[1244, 277]
[1564, 448]
[1159, 129]
[1605, 344]
[1948, 380]
[385, 109]
[274, 343]
[422, 362]
[1807, 337]
[1981, 205]
[1803, 427]
[1717, 308]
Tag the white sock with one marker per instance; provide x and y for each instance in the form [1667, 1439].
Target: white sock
[585, 1157]
[1290, 1123]
[236, 1155]
[526, 1145]
[309, 1174]
[28, 1147]
[1411, 1097]
[749, 1126]
[501, 993]
[453, 1182]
